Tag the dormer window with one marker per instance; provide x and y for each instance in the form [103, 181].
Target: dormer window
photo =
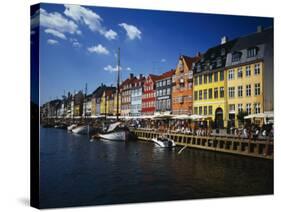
[251, 52]
[236, 56]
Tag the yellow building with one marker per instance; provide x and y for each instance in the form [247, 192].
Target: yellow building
[209, 80]
[249, 68]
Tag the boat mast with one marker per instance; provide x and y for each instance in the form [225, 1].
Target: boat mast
[118, 86]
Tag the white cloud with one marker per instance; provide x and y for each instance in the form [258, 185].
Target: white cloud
[89, 18]
[132, 31]
[111, 69]
[163, 60]
[52, 42]
[55, 33]
[110, 34]
[99, 49]
[128, 69]
[76, 44]
[57, 22]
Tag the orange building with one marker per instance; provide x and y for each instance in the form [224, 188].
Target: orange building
[182, 85]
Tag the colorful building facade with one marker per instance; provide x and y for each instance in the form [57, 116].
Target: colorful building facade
[164, 92]
[149, 95]
[126, 94]
[182, 91]
[209, 90]
[249, 69]
[136, 96]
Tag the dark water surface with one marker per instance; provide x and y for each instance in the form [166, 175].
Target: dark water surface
[75, 171]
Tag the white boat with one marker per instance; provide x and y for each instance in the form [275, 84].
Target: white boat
[115, 133]
[71, 127]
[83, 129]
[164, 142]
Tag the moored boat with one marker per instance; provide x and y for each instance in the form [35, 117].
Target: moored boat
[83, 130]
[115, 132]
[164, 142]
[72, 126]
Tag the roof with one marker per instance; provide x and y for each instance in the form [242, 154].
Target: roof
[254, 39]
[167, 74]
[209, 60]
[153, 77]
[190, 60]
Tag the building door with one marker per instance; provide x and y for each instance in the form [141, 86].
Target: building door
[219, 118]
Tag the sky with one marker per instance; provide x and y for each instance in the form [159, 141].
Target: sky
[78, 44]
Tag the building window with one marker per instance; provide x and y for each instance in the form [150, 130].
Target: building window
[240, 91]
[239, 72]
[252, 52]
[205, 79]
[221, 75]
[205, 94]
[216, 93]
[231, 92]
[248, 90]
[215, 76]
[221, 92]
[200, 79]
[205, 110]
[168, 106]
[236, 57]
[257, 108]
[200, 95]
[210, 77]
[257, 89]
[257, 69]
[210, 93]
[200, 110]
[231, 107]
[240, 108]
[168, 91]
[210, 110]
[231, 74]
[168, 81]
[164, 92]
[248, 71]
[195, 110]
[248, 108]
[196, 80]
[195, 95]
[164, 83]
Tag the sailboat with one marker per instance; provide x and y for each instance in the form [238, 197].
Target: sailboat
[116, 131]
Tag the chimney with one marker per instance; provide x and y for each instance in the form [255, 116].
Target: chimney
[259, 29]
[131, 75]
[140, 76]
[198, 54]
[224, 40]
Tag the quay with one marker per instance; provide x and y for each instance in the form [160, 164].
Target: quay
[225, 144]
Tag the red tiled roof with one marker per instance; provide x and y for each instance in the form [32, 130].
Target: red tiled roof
[190, 60]
[167, 74]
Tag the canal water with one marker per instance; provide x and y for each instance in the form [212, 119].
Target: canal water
[75, 171]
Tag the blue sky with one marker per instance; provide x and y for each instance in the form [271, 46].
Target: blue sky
[78, 44]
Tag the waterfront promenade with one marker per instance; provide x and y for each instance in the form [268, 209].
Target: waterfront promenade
[260, 148]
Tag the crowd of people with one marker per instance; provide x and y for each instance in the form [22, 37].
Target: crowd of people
[204, 128]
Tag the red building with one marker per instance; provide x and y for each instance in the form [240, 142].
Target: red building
[149, 95]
